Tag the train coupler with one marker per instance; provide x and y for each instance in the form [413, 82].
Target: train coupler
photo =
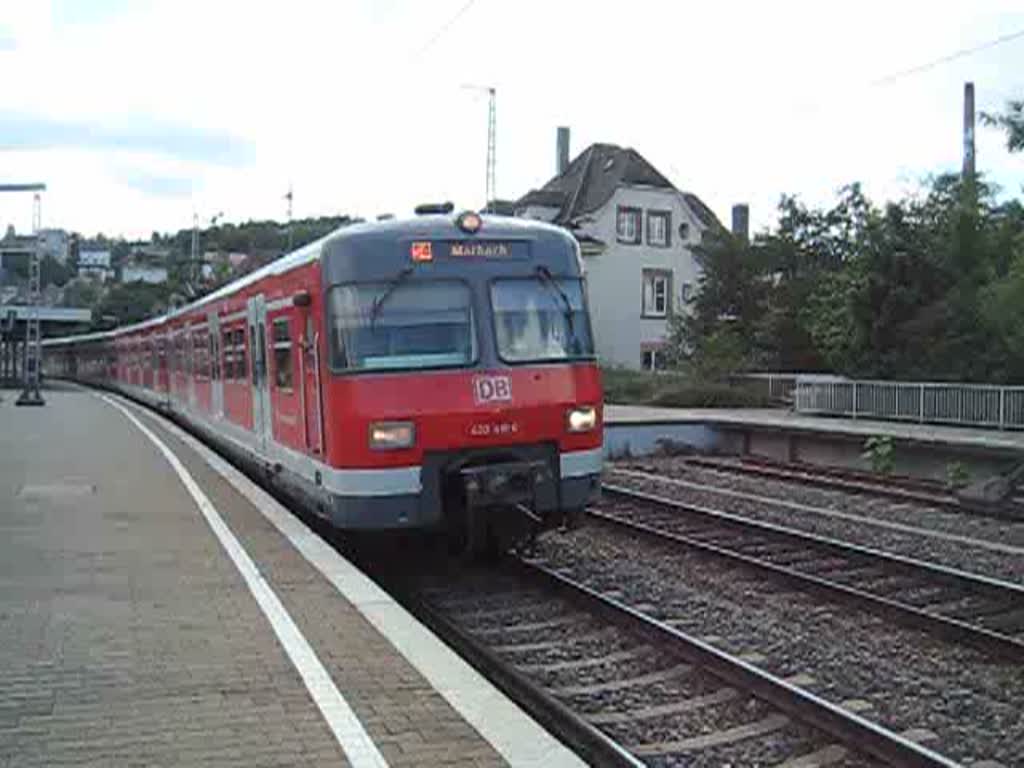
[501, 504]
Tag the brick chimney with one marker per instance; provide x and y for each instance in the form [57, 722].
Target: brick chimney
[741, 220]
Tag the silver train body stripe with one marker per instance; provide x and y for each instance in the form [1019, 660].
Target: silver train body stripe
[393, 481]
[580, 463]
[340, 482]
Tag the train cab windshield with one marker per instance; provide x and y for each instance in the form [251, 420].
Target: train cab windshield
[540, 319]
[406, 325]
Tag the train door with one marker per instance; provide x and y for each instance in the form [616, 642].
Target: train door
[310, 372]
[261, 416]
[192, 369]
[216, 380]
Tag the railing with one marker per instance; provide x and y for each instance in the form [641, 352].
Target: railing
[776, 386]
[978, 405]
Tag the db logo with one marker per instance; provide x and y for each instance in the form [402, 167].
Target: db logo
[492, 389]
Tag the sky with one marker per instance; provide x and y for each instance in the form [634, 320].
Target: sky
[139, 115]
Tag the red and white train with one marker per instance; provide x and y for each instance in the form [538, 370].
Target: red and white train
[429, 373]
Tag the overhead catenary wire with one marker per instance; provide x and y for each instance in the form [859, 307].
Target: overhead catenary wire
[444, 28]
[947, 58]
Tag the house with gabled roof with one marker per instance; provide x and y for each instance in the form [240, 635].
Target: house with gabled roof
[637, 233]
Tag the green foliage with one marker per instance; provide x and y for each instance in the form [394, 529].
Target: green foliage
[957, 475]
[81, 293]
[1012, 122]
[878, 452]
[52, 271]
[130, 303]
[926, 287]
[674, 390]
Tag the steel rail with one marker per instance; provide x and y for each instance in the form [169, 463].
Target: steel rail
[592, 744]
[832, 481]
[988, 640]
[855, 732]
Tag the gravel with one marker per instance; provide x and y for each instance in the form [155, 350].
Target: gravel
[911, 679]
[952, 553]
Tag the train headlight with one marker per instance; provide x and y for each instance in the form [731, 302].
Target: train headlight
[582, 418]
[392, 435]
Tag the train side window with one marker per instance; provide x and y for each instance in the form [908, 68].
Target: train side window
[282, 354]
[227, 346]
[211, 351]
[240, 363]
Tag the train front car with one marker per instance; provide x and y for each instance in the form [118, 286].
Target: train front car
[463, 390]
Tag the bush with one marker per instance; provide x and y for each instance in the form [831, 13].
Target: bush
[878, 452]
[671, 389]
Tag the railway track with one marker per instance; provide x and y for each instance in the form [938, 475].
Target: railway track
[902, 489]
[963, 607]
[624, 689]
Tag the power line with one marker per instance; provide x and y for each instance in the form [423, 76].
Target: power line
[444, 28]
[946, 59]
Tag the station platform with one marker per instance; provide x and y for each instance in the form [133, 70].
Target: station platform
[919, 450]
[780, 419]
[157, 608]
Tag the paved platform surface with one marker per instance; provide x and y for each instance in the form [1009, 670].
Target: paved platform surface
[128, 636]
[781, 419]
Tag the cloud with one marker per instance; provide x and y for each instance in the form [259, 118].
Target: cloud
[19, 131]
[155, 184]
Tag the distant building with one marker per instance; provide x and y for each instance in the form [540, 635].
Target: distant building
[94, 263]
[134, 273]
[637, 233]
[56, 243]
[146, 263]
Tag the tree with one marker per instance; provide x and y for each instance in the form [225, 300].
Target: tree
[1011, 121]
[726, 310]
[133, 302]
[929, 286]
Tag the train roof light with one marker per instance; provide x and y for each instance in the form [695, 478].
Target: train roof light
[469, 221]
[425, 209]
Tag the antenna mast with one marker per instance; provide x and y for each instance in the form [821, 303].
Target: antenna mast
[491, 148]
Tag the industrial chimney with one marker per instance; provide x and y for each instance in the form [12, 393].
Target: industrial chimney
[968, 131]
[741, 220]
[562, 150]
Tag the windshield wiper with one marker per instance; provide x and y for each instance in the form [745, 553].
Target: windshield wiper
[392, 287]
[545, 274]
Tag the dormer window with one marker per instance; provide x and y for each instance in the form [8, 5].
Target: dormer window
[627, 225]
[659, 228]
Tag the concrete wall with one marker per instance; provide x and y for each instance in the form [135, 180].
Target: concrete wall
[824, 450]
[614, 278]
[623, 440]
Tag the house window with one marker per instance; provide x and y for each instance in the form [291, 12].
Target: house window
[686, 292]
[627, 225]
[652, 359]
[657, 290]
[684, 232]
[282, 354]
[659, 228]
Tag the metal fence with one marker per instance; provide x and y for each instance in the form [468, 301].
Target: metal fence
[977, 405]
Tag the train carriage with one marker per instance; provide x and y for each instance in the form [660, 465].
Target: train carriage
[429, 373]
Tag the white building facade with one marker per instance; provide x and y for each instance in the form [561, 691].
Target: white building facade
[94, 264]
[145, 273]
[637, 233]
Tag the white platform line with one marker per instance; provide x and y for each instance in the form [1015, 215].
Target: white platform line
[349, 732]
[512, 732]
